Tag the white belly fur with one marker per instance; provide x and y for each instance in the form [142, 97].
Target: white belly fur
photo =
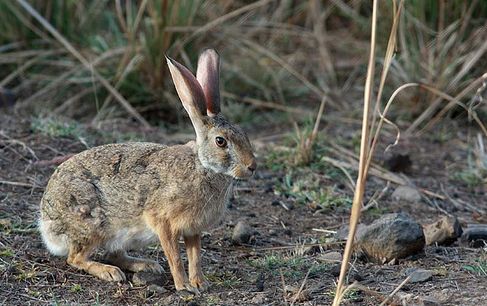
[131, 238]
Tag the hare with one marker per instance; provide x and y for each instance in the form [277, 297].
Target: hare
[123, 196]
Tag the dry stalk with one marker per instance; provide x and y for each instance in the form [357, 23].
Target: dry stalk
[306, 142]
[296, 296]
[404, 282]
[366, 150]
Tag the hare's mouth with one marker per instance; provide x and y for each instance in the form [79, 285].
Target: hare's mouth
[241, 174]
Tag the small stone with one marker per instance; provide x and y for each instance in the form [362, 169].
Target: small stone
[333, 256]
[156, 289]
[406, 193]
[475, 235]
[443, 232]
[275, 203]
[242, 233]
[419, 275]
[393, 236]
[148, 278]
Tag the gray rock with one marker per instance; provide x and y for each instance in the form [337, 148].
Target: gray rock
[242, 233]
[148, 278]
[342, 233]
[406, 193]
[444, 231]
[393, 236]
[475, 235]
[419, 275]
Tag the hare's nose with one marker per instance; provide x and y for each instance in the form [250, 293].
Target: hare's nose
[252, 166]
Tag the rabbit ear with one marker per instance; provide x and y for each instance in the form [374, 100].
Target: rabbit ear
[190, 93]
[208, 74]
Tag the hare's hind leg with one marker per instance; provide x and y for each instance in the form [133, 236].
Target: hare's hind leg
[121, 259]
[193, 249]
[79, 258]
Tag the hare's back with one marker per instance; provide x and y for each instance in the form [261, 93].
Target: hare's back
[110, 174]
[112, 159]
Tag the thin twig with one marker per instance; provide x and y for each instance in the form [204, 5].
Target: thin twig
[404, 282]
[296, 296]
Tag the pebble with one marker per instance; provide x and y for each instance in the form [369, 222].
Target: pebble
[407, 194]
[393, 236]
[419, 275]
[156, 289]
[331, 257]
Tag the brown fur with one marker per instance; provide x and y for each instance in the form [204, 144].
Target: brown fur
[123, 196]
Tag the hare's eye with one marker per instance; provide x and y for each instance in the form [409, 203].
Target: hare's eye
[221, 142]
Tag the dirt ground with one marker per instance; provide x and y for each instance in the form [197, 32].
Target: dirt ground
[288, 247]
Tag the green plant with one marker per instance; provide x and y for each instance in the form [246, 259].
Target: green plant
[307, 188]
[479, 268]
[293, 267]
[76, 288]
[56, 128]
[225, 279]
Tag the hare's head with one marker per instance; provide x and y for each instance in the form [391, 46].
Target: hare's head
[222, 147]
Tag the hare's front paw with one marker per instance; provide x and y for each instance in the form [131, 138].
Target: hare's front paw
[109, 273]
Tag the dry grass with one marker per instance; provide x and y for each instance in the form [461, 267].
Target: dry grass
[366, 148]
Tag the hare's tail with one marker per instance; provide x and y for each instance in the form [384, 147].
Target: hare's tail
[56, 244]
